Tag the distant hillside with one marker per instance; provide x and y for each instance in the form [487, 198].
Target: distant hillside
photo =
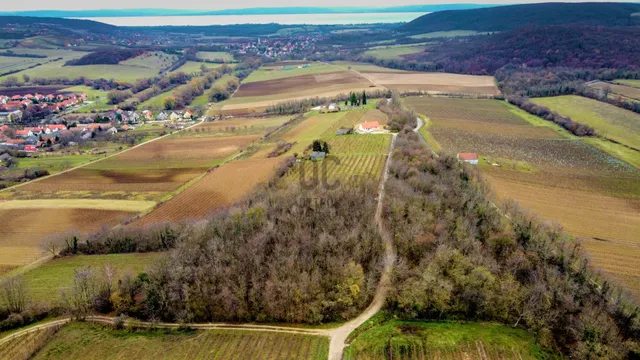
[246, 11]
[503, 18]
[586, 47]
[70, 24]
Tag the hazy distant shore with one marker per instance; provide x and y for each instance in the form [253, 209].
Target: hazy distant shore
[284, 19]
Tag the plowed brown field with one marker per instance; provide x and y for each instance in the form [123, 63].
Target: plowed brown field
[24, 230]
[218, 189]
[435, 82]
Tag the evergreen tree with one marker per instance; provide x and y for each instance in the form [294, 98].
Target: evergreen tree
[354, 99]
[325, 147]
[364, 98]
[316, 145]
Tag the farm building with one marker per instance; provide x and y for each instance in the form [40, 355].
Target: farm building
[318, 155]
[369, 127]
[471, 158]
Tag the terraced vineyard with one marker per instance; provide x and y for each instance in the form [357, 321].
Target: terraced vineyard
[87, 342]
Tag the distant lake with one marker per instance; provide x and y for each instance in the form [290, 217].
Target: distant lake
[285, 19]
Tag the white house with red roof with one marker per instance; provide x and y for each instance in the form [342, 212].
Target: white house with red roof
[368, 127]
[471, 158]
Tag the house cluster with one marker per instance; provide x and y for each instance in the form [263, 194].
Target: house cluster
[173, 116]
[30, 139]
[11, 106]
[276, 47]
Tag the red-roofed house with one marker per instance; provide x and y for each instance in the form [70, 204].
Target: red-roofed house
[16, 98]
[24, 133]
[471, 158]
[369, 126]
[30, 148]
[14, 141]
[56, 127]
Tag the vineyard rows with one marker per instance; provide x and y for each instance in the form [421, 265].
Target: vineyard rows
[23, 347]
[340, 167]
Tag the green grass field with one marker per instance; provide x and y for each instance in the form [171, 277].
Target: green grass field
[394, 52]
[444, 34]
[630, 82]
[444, 340]
[45, 283]
[608, 120]
[156, 102]
[364, 67]
[55, 164]
[88, 341]
[273, 73]
[56, 69]
[215, 55]
[191, 67]
[153, 60]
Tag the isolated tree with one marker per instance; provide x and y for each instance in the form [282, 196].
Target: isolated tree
[325, 148]
[364, 98]
[26, 78]
[14, 293]
[84, 289]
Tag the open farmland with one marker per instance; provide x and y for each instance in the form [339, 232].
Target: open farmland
[87, 341]
[608, 120]
[238, 126]
[364, 67]
[394, 52]
[56, 69]
[25, 229]
[274, 72]
[435, 82]
[45, 283]
[191, 67]
[215, 56]
[260, 94]
[558, 176]
[624, 90]
[153, 60]
[444, 340]
[157, 167]
[629, 82]
[221, 187]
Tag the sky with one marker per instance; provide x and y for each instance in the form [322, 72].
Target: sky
[237, 4]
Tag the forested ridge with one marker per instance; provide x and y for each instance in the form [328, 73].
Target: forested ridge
[587, 47]
[503, 18]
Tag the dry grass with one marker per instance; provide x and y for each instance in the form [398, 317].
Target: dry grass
[628, 91]
[435, 82]
[24, 230]
[220, 188]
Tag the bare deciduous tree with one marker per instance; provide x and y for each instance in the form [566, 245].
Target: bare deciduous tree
[14, 293]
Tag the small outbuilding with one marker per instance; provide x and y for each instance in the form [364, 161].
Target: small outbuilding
[471, 158]
[318, 155]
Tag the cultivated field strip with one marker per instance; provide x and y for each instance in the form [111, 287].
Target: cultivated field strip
[340, 167]
[219, 188]
[23, 346]
[24, 230]
[96, 342]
